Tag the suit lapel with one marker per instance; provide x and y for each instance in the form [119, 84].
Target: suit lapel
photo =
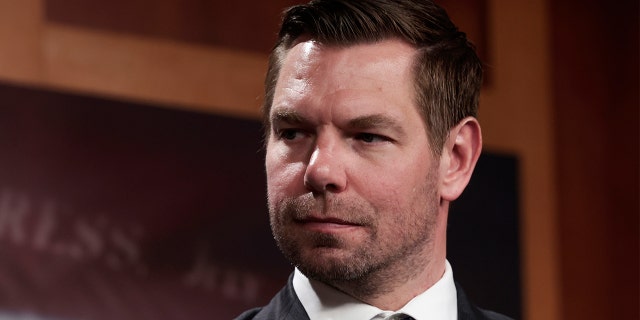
[466, 311]
[285, 305]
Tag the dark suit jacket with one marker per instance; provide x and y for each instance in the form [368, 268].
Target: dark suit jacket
[286, 306]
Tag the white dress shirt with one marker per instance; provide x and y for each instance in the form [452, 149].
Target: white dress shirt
[323, 302]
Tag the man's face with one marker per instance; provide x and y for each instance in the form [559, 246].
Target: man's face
[352, 183]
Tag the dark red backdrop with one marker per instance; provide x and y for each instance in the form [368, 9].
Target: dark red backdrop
[117, 210]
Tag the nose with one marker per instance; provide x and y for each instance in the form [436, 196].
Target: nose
[326, 170]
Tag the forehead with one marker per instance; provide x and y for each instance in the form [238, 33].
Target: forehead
[309, 57]
[363, 75]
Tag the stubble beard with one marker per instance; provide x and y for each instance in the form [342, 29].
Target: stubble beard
[371, 268]
[329, 270]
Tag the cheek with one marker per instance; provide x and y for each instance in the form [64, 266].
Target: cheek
[283, 179]
[395, 188]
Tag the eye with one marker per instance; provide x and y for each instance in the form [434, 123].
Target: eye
[370, 137]
[288, 134]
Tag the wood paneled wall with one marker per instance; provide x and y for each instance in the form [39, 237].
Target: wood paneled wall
[595, 83]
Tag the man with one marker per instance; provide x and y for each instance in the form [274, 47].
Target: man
[370, 132]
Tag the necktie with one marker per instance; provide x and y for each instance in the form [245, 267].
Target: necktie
[403, 316]
[399, 316]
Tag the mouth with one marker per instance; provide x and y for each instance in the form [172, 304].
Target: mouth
[327, 225]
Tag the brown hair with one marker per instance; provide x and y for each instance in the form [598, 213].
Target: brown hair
[448, 73]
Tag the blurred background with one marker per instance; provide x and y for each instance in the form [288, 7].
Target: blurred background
[131, 179]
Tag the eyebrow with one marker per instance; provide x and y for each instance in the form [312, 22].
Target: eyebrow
[366, 122]
[287, 116]
[375, 121]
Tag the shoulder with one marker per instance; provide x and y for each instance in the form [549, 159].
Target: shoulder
[490, 315]
[249, 314]
[468, 311]
[284, 305]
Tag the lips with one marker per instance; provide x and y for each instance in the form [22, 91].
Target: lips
[325, 224]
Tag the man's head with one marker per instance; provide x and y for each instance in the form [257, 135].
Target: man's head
[358, 181]
[447, 72]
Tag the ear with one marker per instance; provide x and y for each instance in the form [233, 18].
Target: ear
[459, 157]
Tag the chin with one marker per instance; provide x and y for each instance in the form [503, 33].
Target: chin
[330, 264]
[331, 272]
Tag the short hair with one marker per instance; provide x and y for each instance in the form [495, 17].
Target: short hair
[447, 70]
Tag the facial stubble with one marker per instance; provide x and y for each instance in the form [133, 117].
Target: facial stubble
[375, 265]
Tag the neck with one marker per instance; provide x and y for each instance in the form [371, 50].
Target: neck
[394, 297]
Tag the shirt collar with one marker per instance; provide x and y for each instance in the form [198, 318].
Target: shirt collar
[324, 302]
